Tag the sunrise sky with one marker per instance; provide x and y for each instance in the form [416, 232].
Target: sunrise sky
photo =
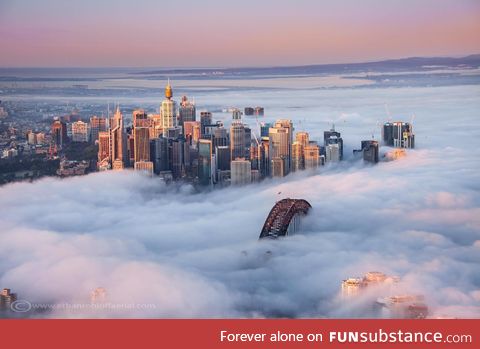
[104, 33]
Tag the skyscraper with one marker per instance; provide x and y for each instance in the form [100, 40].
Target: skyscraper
[237, 140]
[241, 172]
[176, 150]
[332, 152]
[398, 134]
[104, 159]
[205, 119]
[280, 141]
[141, 135]
[302, 138]
[297, 156]
[277, 167]
[220, 136]
[264, 127]
[144, 166]
[248, 141]
[312, 156]
[333, 137]
[264, 157]
[168, 111]
[370, 151]
[159, 154]
[223, 158]
[187, 111]
[236, 114]
[59, 132]
[205, 162]
[97, 125]
[117, 141]
[191, 131]
[141, 141]
[80, 131]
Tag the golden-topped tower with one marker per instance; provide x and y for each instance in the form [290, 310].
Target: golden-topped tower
[168, 90]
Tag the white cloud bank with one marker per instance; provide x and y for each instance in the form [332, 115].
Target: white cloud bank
[197, 255]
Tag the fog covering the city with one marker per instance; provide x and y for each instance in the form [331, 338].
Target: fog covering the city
[198, 255]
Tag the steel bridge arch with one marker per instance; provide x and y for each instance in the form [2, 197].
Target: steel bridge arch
[281, 215]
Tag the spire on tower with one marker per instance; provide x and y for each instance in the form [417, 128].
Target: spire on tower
[168, 90]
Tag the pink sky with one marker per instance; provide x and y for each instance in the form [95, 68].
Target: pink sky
[232, 33]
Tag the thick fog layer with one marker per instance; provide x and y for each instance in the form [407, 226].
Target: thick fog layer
[177, 253]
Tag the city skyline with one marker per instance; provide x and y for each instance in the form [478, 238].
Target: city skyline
[218, 34]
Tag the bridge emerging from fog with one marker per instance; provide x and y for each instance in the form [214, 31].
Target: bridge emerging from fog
[284, 218]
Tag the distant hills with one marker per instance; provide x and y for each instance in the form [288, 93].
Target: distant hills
[391, 65]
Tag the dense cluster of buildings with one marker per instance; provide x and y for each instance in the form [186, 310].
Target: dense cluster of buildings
[175, 145]
[396, 306]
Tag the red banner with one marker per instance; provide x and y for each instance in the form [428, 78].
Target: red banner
[241, 333]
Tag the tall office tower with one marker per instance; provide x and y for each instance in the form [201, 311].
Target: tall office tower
[280, 140]
[312, 156]
[332, 152]
[130, 148]
[398, 134]
[187, 159]
[186, 111]
[277, 166]
[210, 130]
[80, 131]
[220, 137]
[223, 158]
[387, 134]
[117, 141]
[168, 111]
[205, 162]
[173, 132]
[352, 287]
[254, 155]
[138, 117]
[297, 156]
[264, 157]
[302, 138]
[176, 149]
[370, 151]
[237, 140]
[256, 176]
[104, 159]
[205, 119]
[191, 131]
[159, 154]
[264, 127]
[59, 132]
[236, 114]
[144, 166]
[249, 111]
[333, 137]
[259, 111]
[97, 125]
[197, 133]
[141, 142]
[156, 129]
[248, 141]
[241, 172]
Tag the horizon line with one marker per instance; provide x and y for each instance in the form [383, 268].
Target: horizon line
[379, 60]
